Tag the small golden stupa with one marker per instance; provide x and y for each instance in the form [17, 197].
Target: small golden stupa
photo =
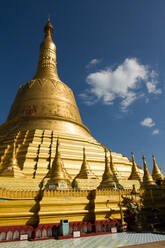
[135, 175]
[148, 181]
[57, 175]
[108, 178]
[156, 172]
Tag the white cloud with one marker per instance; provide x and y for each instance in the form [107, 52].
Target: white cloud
[156, 131]
[124, 83]
[147, 122]
[93, 62]
[151, 85]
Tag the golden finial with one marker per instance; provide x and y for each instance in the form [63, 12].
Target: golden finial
[84, 154]
[133, 158]
[108, 179]
[134, 173]
[110, 157]
[111, 162]
[85, 171]
[48, 29]
[57, 172]
[147, 178]
[112, 167]
[13, 170]
[47, 58]
[144, 158]
[156, 173]
[57, 145]
[14, 161]
[106, 157]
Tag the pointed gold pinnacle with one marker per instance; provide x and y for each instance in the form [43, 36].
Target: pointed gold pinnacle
[147, 178]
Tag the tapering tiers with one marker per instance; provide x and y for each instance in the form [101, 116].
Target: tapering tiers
[44, 109]
[47, 59]
[112, 167]
[85, 179]
[85, 171]
[45, 102]
[148, 181]
[134, 173]
[43, 112]
[11, 169]
[57, 174]
[156, 172]
[108, 179]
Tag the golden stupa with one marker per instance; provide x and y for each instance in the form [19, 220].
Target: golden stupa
[45, 109]
[48, 157]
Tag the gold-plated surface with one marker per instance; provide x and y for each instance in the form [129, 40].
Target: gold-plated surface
[57, 205]
[47, 58]
[134, 173]
[44, 109]
[85, 179]
[11, 169]
[85, 172]
[148, 181]
[112, 167]
[57, 174]
[45, 102]
[44, 112]
[108, 180]
[156, 172]
[37, 148]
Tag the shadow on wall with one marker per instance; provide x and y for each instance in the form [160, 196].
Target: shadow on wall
[90, 217]
[35, 219]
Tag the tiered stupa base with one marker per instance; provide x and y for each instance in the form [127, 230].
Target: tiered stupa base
[36, 151]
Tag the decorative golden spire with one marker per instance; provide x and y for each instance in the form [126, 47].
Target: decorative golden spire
[48, 29]
[58, 176]
[47, 59]
[58, 171]
[108, 180]
[112, 165]
[13, 158]
[85, 172]
[134, 173]
[156, 172]
[46, 99]
[12, 169]
[147, 178]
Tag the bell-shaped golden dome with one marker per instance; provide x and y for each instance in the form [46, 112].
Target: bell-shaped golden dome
[46, 102]
[43, 111]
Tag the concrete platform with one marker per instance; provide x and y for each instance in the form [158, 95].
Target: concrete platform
[103, 241]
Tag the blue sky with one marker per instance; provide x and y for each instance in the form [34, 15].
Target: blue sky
[110, 52]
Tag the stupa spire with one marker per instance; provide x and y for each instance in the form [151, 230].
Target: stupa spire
[134, 173]
[47, 58]
[57, 165]
[156, 172]
[46, 99]
[85, 172]
[57, 174]
[12, 169]
[112, 165]
[147, 178]
[48, 29]
[108, 180]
